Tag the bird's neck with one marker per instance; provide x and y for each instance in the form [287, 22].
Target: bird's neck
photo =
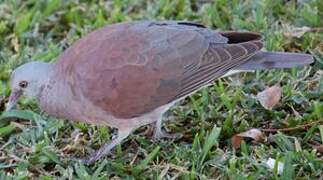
[45, 80]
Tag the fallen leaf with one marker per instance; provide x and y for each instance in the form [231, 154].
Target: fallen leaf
[316, 145]
[269, 97]
[255, 134]
[271, 164]
[319, 148]
[236, 141]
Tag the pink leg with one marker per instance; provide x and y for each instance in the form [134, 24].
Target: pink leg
[159, 133]
[106, 148]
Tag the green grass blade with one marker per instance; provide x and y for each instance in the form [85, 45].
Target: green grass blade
[143, 164]
[288, 172]
[210, 141]
[21, 114]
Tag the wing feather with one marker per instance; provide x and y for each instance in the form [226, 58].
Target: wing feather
[216, 62]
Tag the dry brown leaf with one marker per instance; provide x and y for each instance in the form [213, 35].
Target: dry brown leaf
[236, 141]
[255, 134]
[269, 97]
[319, 148]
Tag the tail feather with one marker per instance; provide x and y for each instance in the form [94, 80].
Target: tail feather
[270, 60]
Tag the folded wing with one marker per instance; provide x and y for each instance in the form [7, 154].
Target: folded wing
[133, 68]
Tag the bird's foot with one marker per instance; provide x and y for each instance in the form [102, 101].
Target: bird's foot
[106, 148]
[162, 134]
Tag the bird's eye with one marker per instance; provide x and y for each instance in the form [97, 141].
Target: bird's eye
[23, 84]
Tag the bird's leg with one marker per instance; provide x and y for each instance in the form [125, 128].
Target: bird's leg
[106, 148]
[159, 133]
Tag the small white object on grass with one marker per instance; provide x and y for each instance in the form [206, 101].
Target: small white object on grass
[271, 164]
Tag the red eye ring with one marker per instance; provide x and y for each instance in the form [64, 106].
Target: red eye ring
[23, 84]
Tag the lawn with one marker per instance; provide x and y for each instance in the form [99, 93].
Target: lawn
[35, 145]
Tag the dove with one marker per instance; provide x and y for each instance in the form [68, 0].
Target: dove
[129, 74]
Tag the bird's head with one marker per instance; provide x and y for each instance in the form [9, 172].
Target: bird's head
[27, 80]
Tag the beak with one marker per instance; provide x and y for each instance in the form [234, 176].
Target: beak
[13, 99]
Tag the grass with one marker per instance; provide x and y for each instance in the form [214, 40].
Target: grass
[34, 145]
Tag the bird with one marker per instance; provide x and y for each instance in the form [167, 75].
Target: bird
[127, 75]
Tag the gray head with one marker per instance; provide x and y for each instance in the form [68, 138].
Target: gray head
[27, 80]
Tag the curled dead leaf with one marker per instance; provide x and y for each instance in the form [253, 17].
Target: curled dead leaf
[319, 148]
[254, 134]
[236, 141]
[269, 97]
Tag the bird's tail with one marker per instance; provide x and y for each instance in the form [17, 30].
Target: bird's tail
[270, 60]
